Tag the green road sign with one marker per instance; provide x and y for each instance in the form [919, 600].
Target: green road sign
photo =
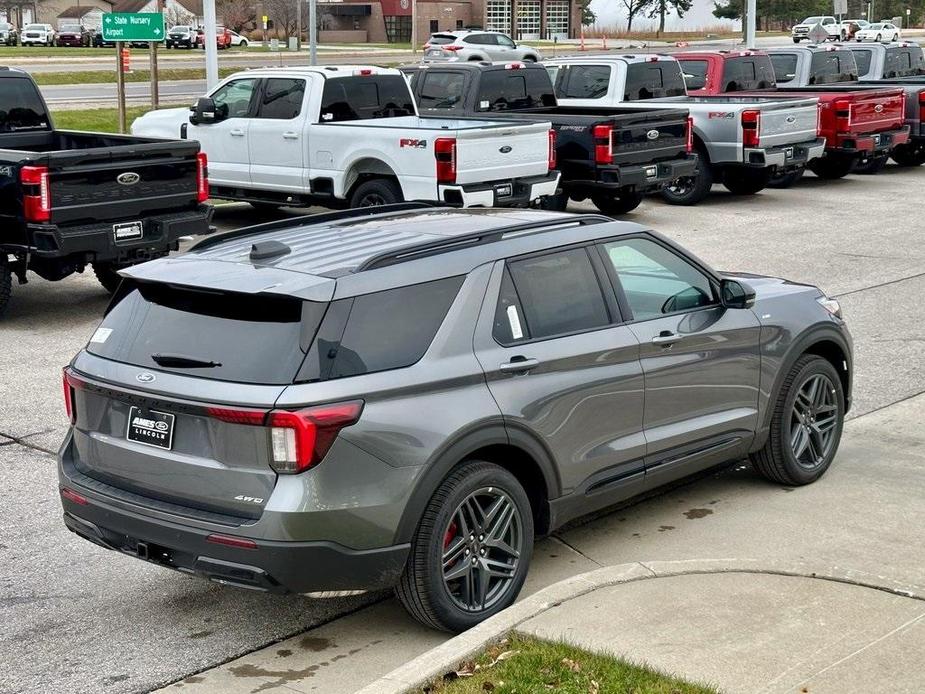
[133, 26]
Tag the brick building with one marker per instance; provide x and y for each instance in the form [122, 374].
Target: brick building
[389, 21]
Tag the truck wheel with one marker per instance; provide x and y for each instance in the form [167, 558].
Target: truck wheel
[872, 166]
[6, 284]
[107, 275]
[806, 424]
[378, 191]
[831, 168]
[908, 155]
[617, 204]
[796, 40]
[746, 181]
[787, 179]
[689, 190]
[471, 552]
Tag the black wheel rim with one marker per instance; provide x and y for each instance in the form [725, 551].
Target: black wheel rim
[681, 186]
[814, 421]
[372, 200]
[482, 545]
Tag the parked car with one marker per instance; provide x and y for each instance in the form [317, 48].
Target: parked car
[222, 38]
[741, 141]
[73, 199]
[466, 45]
[181, 36]
[861, 125]
[879, 32]
[237, 39]
[835, 31]
[74, 35]
[38, 35]
[614, 157]
[341, 134]
[96, 39]
[250, 412]
[8, 34]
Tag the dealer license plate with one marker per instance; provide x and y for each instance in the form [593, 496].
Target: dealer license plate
[150, 427]
[504, 191]
[788, 154]
[127, 231]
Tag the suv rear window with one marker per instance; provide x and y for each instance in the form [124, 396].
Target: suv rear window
[21, 106]
[441, 39]
[653, 80]
[250, 339]
[503, 90]
[359, 98]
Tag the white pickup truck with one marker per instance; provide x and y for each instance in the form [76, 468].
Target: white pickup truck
[835, 30]
[330, 135]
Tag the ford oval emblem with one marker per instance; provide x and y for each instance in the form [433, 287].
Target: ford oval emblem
[791, 119]
[652, 134]
[878, 108]
[145, 377]
[505, 149]
[129, 178]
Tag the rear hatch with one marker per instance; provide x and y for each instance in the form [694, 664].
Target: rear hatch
[173, 391]
[487, 151]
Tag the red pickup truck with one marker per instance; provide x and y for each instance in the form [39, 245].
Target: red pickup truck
[860, 125]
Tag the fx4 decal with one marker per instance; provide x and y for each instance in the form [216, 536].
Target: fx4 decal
[414, 144]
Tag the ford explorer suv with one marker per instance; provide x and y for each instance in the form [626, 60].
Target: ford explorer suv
[408, 396]
[351, 135]
[71, 200]
[740, 141]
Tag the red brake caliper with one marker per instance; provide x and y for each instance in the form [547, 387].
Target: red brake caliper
[450, 534]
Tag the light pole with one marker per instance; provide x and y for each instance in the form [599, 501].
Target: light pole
[208, 35]
[312, 32]
[750, 23]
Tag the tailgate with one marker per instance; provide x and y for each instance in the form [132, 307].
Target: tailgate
[122, 182]
[502, 152]
[870, 112]
[788, 124]
[641, 138]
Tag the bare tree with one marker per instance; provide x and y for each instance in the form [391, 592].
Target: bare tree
[236, 14]
[282, 14]
[633, 8]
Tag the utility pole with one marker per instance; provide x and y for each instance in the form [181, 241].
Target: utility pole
[120, 85]
[414, 26]
[298, 25]
[208, 36]
[155, 97]
[312, 32]
[750, 23]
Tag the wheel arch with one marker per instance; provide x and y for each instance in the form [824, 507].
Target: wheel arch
[364, 169]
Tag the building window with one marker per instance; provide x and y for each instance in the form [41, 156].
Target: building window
[398, 28]
[557, 19]
[498, 16]
[434, 26]
[528, 20]
[459, 24]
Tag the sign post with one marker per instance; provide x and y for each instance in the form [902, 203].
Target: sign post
[120, 85]
[122, 27]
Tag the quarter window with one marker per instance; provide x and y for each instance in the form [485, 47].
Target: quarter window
[655, 281]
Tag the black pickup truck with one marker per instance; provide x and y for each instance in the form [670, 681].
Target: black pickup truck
[613, 156]
[71, 199]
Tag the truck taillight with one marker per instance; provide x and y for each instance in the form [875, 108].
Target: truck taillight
[202, 177]
[922, 105]
[603, 144]
[551, 154]
[445, 153]
[36, 194]
[819, 119]
[689, 144]
[842, 115]
[300, 440]
[751, 125]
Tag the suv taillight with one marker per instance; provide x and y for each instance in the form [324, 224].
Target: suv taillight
[202, 177]
[551, 154]
[452, 48]
[751, 124]
[689, 144]
[36, 194]
[445, 153]
[69, 384]
[603, 144]
[300, 440]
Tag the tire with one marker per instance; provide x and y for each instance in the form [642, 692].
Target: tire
[375, 192]
[244, 43]
[908, 155]
[872, 166]
[831, 168]
[6, 285]
[423, 588]
[529, 58]
[785, 180]
[691, 189]
[746, 181]
[796, 40]
[617, 204]
[107, 274]
[777, 460]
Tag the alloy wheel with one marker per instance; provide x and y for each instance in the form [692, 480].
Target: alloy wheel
[372, 200]
[482, 545]
[814, 421]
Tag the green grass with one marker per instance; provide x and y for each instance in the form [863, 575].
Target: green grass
[109, 76]
[524, 665]
[87, 52]
[101, 120]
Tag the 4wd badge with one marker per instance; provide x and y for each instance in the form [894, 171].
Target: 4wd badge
[414, 144]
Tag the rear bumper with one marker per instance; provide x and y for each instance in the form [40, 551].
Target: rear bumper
[871, 143]
[275, 567]
[523, 191]
[98, 243]
[786, 155]
[643, 178]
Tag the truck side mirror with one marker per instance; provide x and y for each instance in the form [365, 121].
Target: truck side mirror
[205, 111]
[734, 294]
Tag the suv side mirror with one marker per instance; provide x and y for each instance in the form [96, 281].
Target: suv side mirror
[205, 112]
[734, 294]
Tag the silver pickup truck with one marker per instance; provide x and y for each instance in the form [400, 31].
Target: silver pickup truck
[741, 141]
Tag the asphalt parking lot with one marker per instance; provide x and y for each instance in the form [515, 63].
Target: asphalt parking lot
[80, 619]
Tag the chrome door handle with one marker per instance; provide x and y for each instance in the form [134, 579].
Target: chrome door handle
[237, 132]
[291, 136]
[666, 338]
[518, 365]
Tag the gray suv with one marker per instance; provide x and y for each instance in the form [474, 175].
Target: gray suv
[407, 396]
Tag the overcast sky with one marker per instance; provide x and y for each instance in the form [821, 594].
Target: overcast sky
[613, 13]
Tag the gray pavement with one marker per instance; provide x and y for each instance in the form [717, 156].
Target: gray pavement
[135, 626]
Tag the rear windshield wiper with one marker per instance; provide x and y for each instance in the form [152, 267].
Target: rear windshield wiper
[180, 361]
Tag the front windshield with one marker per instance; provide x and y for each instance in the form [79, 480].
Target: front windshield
[35, 27]
[812, 20]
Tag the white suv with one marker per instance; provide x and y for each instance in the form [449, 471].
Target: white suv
[476, 45]
[38, 35]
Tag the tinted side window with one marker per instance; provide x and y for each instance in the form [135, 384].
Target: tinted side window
[785, 67]
[282, 99]
[502, 90]
[358, 98]
[831, 67]
[392, 329]
[20, 106]
[582, 81]
[901, 63]
[742, 74]
[695, 73]
[863, 58]
[653, 80]
[655, 281]
[560, 293]
[441, 89]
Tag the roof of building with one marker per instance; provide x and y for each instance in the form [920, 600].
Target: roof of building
[78, 12]
[194, 7]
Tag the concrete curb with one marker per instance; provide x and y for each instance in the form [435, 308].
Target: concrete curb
[441, 659]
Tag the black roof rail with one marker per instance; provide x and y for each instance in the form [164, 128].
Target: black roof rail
[317, 218]
[476, 238]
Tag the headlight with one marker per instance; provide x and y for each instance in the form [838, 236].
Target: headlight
[830, 305]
